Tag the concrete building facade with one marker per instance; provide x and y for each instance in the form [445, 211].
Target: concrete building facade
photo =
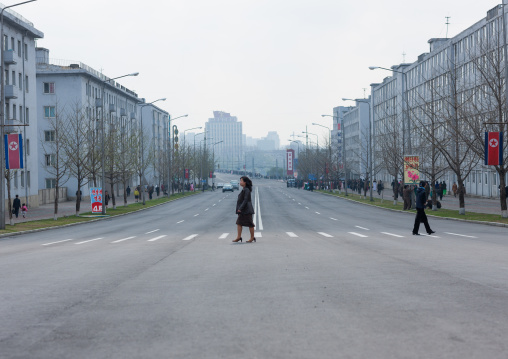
[224, 127]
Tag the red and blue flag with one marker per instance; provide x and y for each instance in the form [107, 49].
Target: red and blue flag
[493, 148]
[13, 151]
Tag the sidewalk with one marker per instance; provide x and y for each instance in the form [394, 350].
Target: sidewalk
[66, 209]
[472, 204]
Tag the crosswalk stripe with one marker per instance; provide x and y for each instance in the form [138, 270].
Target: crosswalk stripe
[363, 228]
[391, 234]
[124, 239]
[224, 236]
[65, 240]
[461, 235]
[258, 234]
[155, 230]
[90, 240]
[189, 237]
[325, 234]
[157, 238]
[181, 221]
[357, 234]
[291, 234]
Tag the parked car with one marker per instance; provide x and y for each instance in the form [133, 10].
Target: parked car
[220, 185]
[227, 187]
[235, 184]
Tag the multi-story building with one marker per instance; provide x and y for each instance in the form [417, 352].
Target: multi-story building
[226, 128]
[74, 94]
[356, 135]
[21, 100]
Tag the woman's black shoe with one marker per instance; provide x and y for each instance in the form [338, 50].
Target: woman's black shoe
[238, 240]
[416, 234]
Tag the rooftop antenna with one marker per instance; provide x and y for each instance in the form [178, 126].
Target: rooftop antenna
[447, 23]
[403, 57]
[364, 90]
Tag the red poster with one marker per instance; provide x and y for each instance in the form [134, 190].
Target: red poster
[186, 173]
[290, 156]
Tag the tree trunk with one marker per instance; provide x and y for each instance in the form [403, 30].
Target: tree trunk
[8, 182]
[462, 205]
[113, 198]
[78, 200]
[125, 193]
[56, 203]
[502, 191]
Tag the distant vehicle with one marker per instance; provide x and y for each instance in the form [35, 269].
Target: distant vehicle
[291, 182]
[220, 185]
[227, 187]
[235, 184]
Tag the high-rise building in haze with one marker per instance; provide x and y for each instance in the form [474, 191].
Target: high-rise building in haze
[226, 128]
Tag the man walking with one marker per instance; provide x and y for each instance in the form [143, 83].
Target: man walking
[16, 205]
[420, 211]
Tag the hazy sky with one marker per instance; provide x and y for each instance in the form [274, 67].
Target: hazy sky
[276, 65]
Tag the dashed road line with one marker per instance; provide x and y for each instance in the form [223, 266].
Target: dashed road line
[65, 240]
[363, 228]
[183, 220]
[318, 213]
[90, 240]
[325, 234]
[157, 238]
[258, 234]
[461, 235]
[333, 219]
[306, 207]
[291, 234]
[189, 237]
[357, 234]
[196, 215]
[391, 234]
[155, 230]
[124, 239]
[224, 235]
[207, 209]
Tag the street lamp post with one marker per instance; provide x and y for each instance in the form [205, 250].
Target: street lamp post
[213, 160]
[329, 142]
[142, 173]
[371, 120]
[103, 155]
[184, 140]
[170, 152]
[2, 113]
[343, 135]
[202, 155]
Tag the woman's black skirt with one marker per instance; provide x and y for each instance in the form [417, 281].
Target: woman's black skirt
[245, 220]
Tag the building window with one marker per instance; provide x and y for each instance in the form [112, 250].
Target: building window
[26, 58]
[14, 77]
[6, 77]
[13, 111]
[28, 179]
[28, 147]
[49, 87]
[15, 179]
[6, 42]
[19, 48]
[20, 81]
[27, 118]
[26, 84]
[50, 183]
[49, 136]
[50, 160]
[20, 113]
[12, 43]
[49, 111]
[22, 179]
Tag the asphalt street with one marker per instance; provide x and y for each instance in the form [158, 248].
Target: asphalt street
[327, 278]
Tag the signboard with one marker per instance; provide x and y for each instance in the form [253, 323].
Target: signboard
[96, 199]
[411, 169]
[290, 155]
[186, 173]
[493, 148]
[13, 151]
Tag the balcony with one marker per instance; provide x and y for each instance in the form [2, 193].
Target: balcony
[9, 57]
[11, 92]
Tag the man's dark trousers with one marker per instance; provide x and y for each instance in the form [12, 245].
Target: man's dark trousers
[421, 217]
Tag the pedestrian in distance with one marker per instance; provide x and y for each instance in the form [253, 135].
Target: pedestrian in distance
[454, 189]
[106, 199]
[244, 210]
[16, 205]
[136, 194]
[24, 209]
[420, 211]
[406, 195]
[128, 191]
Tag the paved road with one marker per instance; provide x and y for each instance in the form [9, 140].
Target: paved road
[327, 279]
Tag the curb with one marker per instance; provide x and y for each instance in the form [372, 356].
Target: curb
[494, 224]
[91, 221]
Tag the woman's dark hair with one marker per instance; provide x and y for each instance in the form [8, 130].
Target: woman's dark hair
[248, 182]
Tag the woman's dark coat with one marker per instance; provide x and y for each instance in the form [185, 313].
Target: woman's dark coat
[244, 203]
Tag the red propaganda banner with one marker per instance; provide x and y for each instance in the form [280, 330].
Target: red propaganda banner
[96, 199]
[186, 173]
[211, 174]
[493, 148]
[338, 126]
[13, 151]
[290, 156]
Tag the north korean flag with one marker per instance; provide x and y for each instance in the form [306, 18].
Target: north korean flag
[13, 151]
[493, 148]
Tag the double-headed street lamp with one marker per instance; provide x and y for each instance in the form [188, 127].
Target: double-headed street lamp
[371, 120]
[103, 118]
[317, 137]
[2, 112]
[142, 173]
[170, 151]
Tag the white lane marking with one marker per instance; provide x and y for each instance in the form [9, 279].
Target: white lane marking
[90, 240]
[391, 234]
[363, 228]
[183, 220]
[291, 234]
[461, 235]
[293, 199]
[124, 239]
[325, 234]
[207, 209]
[214, 204]
[333, 219]
[196, 215]
[65, 240]
[156, 238]
[258, 234]
[318, 213]
[307, 207]
[189, 237]
[357, 234]
[300, 204]
[224, 235]
[257, 209]
[429, 235]
[155, 230]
